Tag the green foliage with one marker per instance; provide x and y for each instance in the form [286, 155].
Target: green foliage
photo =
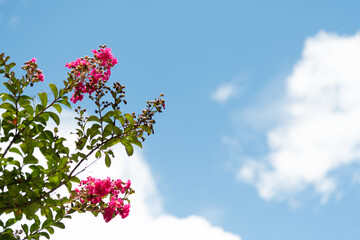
[27, 187]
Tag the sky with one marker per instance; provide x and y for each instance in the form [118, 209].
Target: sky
[260, 138]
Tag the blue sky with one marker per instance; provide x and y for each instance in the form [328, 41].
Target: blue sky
[260, 135]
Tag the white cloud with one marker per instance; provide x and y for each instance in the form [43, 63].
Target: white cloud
[14, 21]
[147, 219]
[320, 132]
[224, 92]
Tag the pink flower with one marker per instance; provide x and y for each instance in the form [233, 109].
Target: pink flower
[128, 184]
[108, 214]
[94, 192]
[33, 60]
[40, 76]
[90, 71]
[125, 211]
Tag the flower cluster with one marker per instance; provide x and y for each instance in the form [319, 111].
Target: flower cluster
[33, 74]
[93, 192]
[89, 72]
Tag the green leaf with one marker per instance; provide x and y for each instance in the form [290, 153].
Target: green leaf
[36, 170]
[63, 92]
[30, 159]
[2, 71]
[35, 226]
[59, 225]
[107, 160]
[15, 150]
[75, 179]
[121, 119]
[146, 128]
[93, 118]
[43, 98]
[16, 163]
[10, 222]
[8, 106]
[32, 209]
[45, 234]
[54, 89]
[65, 102]
[25, 228]
[48, 222]
[6, 96]
[55, 117]
[50, 230]
[60, 214]
[57, 107]
[128, 147]
[55, 179]
[129, 118]
[98, 154]
[135, 141]
[9, 66]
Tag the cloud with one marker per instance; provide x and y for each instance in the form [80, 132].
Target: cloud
[147, 219]
[224, 92]
[14, 21]
[319, 131]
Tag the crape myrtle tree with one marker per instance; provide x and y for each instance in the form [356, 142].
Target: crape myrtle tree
[35, 161]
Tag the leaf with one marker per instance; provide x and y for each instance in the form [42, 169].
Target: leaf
[10, 222]
[135, 141]
[54, 89]
[25, 228]
[93, 118]
[57, 107]
[128, 147]
[62, 92]
[45, 234]
[48, 222]
[129, 118]
[35, 170]
[6, 96]
[43, 98]
[98, 154]
[30, 159]
[50, 230]
[121, 119]
[65, 102]
[16, 163]
[59, 225]
[59, 214]
[35, 226]
[55, 117]
[146, 128]
[107, 160]
[75, 179]
[32, 209]
[15, 150]
[8, 106]
[9, 66]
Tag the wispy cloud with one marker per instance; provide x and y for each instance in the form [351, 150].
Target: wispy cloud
[225, 91]
[147, 219]
[14, 21]
[320, 130]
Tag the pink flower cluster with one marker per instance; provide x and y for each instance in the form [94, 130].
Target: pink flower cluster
[34, 74]
[93, 191]
[88, 72]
